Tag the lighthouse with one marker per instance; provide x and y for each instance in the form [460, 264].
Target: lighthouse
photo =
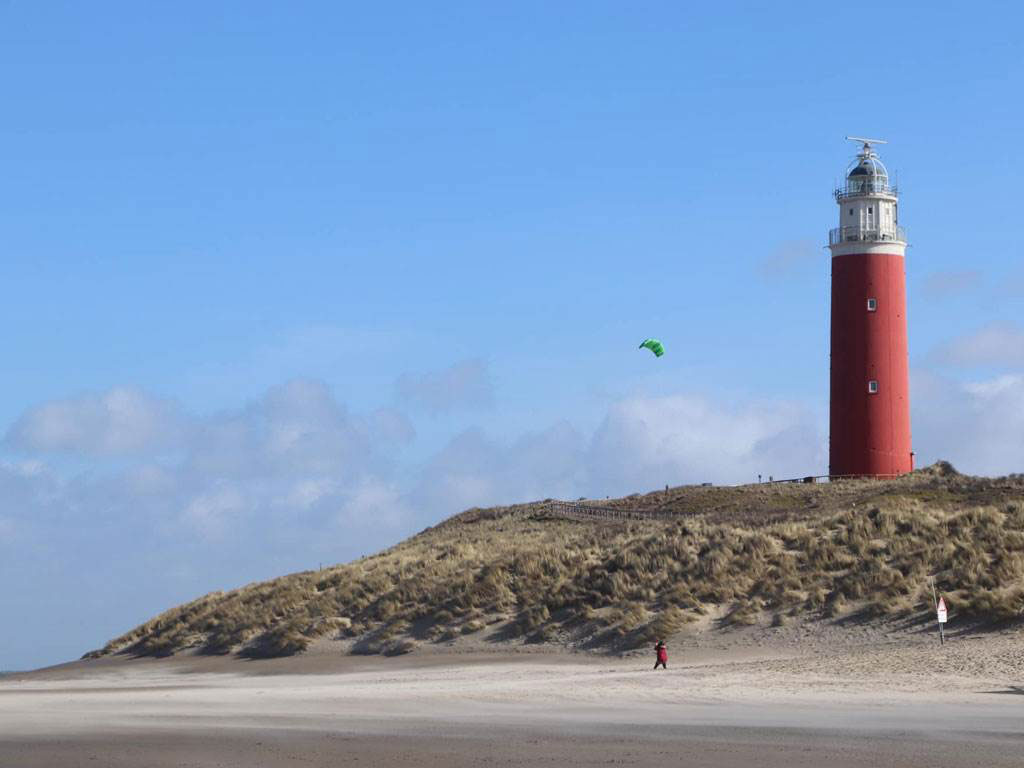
[869, 382]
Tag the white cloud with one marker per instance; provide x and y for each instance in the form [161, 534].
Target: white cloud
[296, 464]
[647, 442]
[978, 425]
[474, 469]
[467, 384]
[994, 345]
[295, 430]
[391, 427]
[295, 468]
[375, 503]
[216, 512]
[28, 490]
[305, 463]
[642, 443]
[119, 422]
[307, 492]
[148, 480]
[998, 387]
[284, 467]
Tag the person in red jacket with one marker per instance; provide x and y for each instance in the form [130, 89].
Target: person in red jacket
[661, 655]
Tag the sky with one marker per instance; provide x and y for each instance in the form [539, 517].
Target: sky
[285, 283]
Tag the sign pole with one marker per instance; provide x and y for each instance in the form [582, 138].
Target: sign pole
[940, 611]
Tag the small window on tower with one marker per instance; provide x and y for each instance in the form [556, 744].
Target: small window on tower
[872, 387]
[872, 305]
[851, 211]
[870, 209]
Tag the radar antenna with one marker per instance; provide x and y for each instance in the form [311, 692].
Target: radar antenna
[867, 143]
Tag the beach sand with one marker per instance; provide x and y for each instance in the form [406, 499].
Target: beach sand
[869, 700]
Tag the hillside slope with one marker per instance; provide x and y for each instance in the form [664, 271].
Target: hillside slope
[745, 554]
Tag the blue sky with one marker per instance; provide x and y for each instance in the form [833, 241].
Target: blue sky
[285, 284]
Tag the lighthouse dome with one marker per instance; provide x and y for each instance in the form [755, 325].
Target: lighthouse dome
[868, 166]
[866, 176]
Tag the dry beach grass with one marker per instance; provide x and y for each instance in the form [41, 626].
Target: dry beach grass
[856, 550]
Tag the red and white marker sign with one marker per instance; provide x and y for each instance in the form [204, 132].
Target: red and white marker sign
[941, 610]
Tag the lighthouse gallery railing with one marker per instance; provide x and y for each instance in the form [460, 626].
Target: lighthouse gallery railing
[865, 188]
[863, 235]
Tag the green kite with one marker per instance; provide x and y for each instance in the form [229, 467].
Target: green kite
[655, 346]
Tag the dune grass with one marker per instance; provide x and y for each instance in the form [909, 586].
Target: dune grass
[750, 554]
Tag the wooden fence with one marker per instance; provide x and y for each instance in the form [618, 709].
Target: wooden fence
[576, 510]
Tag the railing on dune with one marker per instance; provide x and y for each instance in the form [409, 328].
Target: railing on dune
[581, 511]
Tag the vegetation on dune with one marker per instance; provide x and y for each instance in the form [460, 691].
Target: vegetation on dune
[750, 554]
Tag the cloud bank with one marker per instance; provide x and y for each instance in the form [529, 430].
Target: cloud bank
[119, 422]
[297, 460]
[296, 468]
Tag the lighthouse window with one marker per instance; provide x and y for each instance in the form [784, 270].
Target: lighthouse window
[873, 387]
[870, 210]
[851, 211]
[872, 305]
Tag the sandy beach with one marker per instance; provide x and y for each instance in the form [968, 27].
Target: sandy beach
[901, 702]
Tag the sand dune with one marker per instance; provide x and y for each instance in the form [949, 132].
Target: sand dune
[905, 702]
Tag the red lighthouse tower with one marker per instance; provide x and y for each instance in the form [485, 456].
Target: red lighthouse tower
[869, 408]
